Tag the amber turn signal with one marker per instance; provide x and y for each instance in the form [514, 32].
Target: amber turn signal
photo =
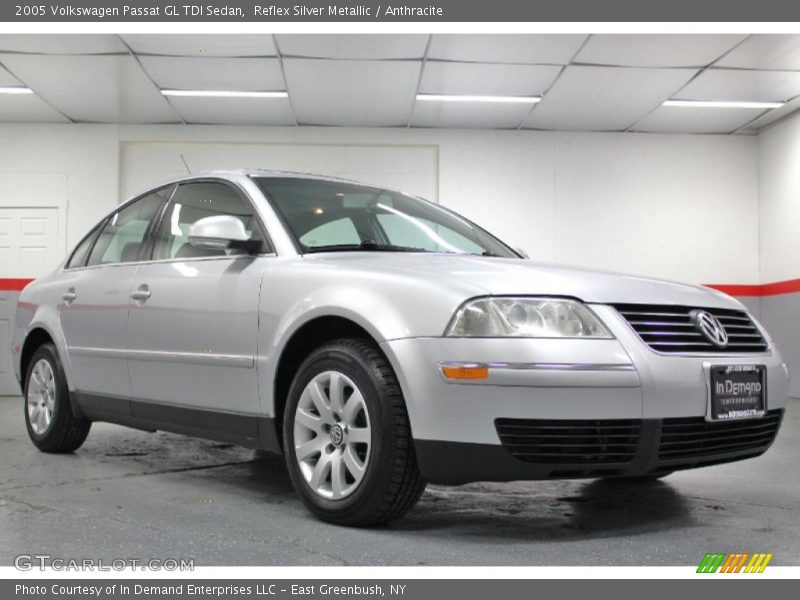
[466, 372]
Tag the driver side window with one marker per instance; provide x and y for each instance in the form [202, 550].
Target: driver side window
[195, 201]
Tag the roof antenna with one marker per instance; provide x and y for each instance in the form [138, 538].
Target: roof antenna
[185, 164]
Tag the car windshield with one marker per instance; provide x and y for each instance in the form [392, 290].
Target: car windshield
[332, 216]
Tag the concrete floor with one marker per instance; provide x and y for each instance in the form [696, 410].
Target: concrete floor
[128, 494]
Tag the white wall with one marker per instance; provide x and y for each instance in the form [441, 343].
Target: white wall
[779, 193]
[411, 168]
[675, 206]
[73, 168]
[779, 173]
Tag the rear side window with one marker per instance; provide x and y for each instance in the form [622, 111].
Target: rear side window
[79, 255]
[124, 232]
[195, 201]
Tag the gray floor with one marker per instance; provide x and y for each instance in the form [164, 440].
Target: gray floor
[128, 494]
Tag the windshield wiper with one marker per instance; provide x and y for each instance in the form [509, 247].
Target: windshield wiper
[365, 246]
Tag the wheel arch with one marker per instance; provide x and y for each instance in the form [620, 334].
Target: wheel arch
[311, 334]
[37, 337]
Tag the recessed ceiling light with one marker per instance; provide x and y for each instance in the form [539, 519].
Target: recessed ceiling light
[224, 94]
[721, 104]
[15, 90]
[458, 98]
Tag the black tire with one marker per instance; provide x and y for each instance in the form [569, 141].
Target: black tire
[66, 432]
[391, 483]
[639, 479]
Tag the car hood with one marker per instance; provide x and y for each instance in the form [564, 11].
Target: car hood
[505, 276]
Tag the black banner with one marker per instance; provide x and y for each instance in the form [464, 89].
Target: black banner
[373, 589]
[278, 11]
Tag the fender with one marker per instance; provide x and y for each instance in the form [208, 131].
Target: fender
[354, 304]
[42, 321]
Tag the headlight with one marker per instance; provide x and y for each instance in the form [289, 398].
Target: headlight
[526, 317]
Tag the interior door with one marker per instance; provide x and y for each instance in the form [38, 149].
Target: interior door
[29, 248]
[193, 327]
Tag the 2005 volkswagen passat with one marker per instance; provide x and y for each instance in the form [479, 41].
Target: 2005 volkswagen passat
[380, 342]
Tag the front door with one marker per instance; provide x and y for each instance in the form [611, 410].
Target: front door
[193, 324]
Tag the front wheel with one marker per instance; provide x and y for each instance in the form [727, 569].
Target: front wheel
[51, 424]
[347, 439]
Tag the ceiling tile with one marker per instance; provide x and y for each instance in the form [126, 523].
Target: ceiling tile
[773, 115]
[235, 111]
[486, 79]
[604, 98]
[765, 51]
[469, 115]
[674, 119]
[189, 73]
[739, 85]
[662, 50]
[7, 79]
[62, 43]
[101, 89]
[357, 93]
[27, 109]
[361, 46]
[202, 45]
[505, 48]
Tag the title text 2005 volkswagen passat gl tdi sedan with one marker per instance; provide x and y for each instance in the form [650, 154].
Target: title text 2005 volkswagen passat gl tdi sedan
[380, 341]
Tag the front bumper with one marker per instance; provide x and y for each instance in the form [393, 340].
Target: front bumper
[658, 446]
[454, 422]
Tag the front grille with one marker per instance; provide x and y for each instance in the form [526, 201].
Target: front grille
[670, 330]
[570, 441]
[694, 437]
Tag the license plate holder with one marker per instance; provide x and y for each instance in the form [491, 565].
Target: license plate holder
[737, 392]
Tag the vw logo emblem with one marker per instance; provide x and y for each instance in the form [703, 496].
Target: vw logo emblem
[709, 326]
[337, 435]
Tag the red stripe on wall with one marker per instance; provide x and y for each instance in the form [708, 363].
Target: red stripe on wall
[736, 290]
[790, 286]
[13, 285]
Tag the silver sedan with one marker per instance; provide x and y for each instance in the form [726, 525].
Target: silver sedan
[380, 342]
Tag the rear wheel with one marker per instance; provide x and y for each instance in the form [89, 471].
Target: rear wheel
[51, 424]
[347, 440]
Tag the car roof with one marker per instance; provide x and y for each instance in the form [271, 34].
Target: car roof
[233, 173]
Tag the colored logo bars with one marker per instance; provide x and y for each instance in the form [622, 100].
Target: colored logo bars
[736, 562]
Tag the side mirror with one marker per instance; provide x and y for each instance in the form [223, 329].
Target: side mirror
[220, 233]
[521, 252]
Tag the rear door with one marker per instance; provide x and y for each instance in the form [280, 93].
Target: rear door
[193, 328]
[93, 309]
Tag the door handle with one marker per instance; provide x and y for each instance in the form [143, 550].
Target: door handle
[142, 294]
[69, 296]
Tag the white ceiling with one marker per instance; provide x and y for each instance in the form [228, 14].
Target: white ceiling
[588, 82]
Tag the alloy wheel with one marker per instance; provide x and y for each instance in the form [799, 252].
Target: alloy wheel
[41, 396]
[332, 435]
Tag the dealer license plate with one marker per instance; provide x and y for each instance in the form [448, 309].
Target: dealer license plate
[737, 392]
